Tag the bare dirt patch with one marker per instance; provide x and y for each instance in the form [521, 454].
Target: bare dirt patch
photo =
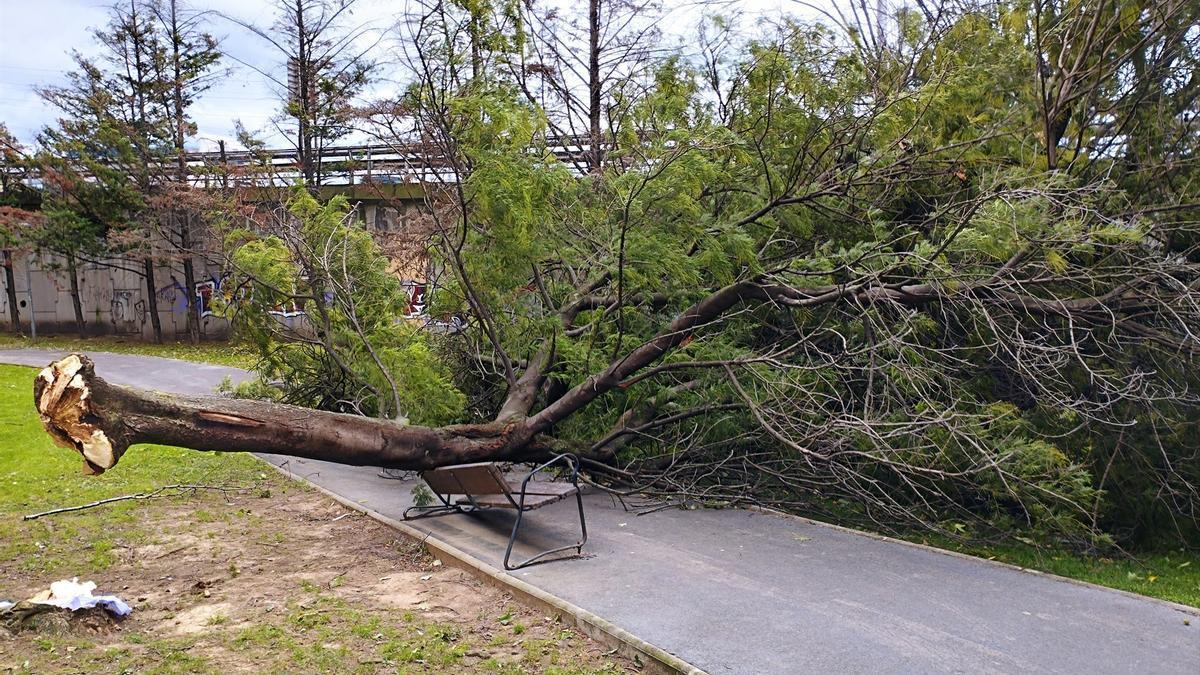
[283, 579]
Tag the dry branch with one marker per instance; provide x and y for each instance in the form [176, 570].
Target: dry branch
[179, 488]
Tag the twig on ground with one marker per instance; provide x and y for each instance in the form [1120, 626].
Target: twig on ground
[178, 488]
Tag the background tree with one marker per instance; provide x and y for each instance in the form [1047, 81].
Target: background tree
[86, 191]
[578, 87]
[101, 158]
[326, 66]
[16, 201]
[190, 54]
[134, 55]
[110, 160]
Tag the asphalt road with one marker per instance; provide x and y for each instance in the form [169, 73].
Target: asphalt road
[736, 591]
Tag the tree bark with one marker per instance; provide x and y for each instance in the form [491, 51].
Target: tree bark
[596, 158]
[152, 298]
[10, 283]
[185, 219]
[83, 412]
[76, 304]
[306, 74]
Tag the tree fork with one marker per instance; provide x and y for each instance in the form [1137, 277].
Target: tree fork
[83, 412]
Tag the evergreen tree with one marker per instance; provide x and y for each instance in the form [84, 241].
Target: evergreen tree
[325, 67]
[15, 218]
[118, 148]
[190, 54]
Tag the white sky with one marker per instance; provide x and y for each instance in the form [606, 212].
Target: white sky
[37, 36]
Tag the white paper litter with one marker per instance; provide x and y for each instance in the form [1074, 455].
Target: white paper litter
[72, 595]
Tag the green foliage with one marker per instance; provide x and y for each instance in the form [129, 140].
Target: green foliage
[421, 495]
[124, 116]
[352, 350]
[823, 159]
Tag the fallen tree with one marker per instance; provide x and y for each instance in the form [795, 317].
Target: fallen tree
[874, 281]
[82, 411]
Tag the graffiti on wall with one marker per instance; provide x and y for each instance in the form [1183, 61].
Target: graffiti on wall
[205, 291]
[205, 294]
[416, 298]
[213, 291]
[175, 295]
[126, 310]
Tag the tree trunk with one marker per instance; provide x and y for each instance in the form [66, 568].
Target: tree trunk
[83, 412]
[189, 280]
[10, 283]
[152, 298]
[306, 73]
[595, 137]
[180, 130]
[224, 160]
[73, 272]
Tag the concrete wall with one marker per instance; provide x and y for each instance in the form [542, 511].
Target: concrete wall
[113, 296]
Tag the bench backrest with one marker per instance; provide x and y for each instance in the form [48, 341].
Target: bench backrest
[483, 478]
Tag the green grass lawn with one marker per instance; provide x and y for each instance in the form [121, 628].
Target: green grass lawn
[36, 475]
[1168, 575]
[221, 353]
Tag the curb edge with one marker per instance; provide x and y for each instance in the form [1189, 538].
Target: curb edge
[594, 626]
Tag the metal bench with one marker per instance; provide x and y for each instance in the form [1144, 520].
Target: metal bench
[483, 486]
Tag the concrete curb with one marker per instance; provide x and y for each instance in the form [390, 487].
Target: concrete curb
[655, 659]
[1186, 609]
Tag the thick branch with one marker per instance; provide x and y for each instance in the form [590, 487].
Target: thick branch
[100, 420]
[708, 309]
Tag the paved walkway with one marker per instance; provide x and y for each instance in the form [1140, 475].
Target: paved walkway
[735, 591]
[147, 372]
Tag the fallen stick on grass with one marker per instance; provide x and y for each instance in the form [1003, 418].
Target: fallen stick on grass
[180, 488]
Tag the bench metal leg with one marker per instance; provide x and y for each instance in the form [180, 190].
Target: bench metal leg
[578, 546]
[426, 511]
[435, 509]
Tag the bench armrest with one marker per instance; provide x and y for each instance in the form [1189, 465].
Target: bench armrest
[571, 460]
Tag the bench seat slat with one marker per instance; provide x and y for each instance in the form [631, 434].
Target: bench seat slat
[486, 479]
[501, 501]
[541, 487]
[475, 479]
